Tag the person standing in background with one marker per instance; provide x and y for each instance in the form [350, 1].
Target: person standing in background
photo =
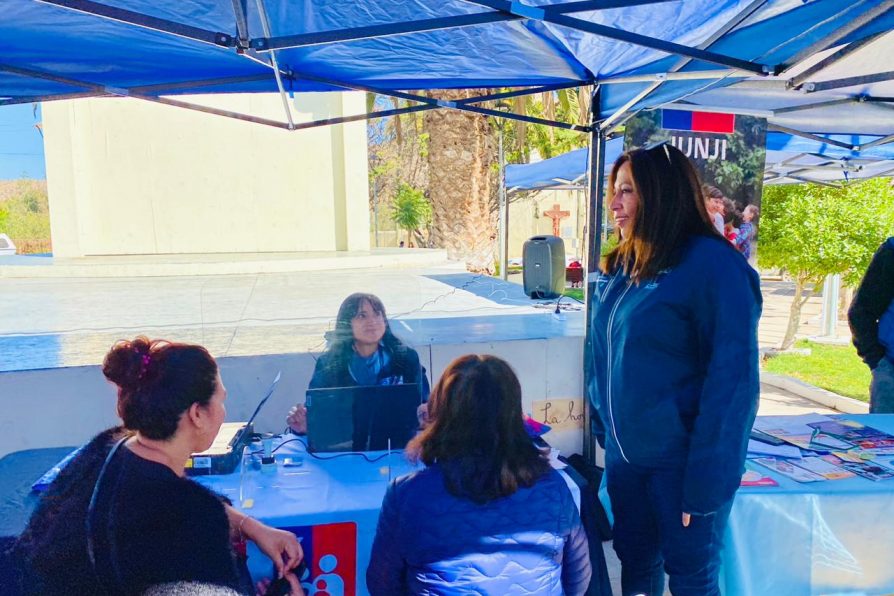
[871, 319]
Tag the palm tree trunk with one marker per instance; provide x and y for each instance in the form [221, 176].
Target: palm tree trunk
[462, 183]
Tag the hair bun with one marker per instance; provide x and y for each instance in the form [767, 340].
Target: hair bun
[126, 363]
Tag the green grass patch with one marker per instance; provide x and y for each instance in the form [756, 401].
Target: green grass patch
[835, 368]
[576, 293]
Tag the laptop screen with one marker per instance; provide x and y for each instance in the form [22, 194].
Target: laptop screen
[361, 418]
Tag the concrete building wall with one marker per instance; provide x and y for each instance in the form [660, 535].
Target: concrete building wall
[133, 177]
[526, 219]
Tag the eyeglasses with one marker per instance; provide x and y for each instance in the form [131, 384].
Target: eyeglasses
[665, 144]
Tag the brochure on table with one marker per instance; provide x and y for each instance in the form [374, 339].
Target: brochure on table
[818, 448]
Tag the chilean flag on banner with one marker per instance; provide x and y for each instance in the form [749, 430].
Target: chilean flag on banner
[698, 121]
[330, 551]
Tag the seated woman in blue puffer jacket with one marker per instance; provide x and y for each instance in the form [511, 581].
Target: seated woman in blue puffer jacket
[487, 515]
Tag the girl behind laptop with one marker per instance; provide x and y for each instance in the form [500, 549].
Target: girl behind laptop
[362, 351]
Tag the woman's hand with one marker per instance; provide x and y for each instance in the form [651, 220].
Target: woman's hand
[295, 588]
[281, 546]
[297, 419]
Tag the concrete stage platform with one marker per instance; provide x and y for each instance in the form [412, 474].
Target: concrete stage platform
[25, 266]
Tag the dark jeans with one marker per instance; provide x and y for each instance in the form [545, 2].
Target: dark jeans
[649, 536]
[881, 389]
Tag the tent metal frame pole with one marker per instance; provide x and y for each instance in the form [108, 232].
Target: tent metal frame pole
[36, 98]
[300, 40]
[692, 107]
[139, 19]
[240, 12]
[812, 106]
[209, 110]
[807, 135]
[454, 105]
[877, 142]
[797, 80]
[595, 184]
[743, 15]
[813, 87]
[849, 27]
[265, 26]
[504, 213]
[540, 14]
[672, 75]
[36, 74]
[160, 88]
[809, 181]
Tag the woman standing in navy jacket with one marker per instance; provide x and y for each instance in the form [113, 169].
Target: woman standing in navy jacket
[674, 331]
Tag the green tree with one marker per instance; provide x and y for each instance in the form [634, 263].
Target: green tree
[813, 231]
[4, 217]
[410, 209]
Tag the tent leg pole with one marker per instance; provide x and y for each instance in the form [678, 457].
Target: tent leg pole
[593, 248]
[504, 213]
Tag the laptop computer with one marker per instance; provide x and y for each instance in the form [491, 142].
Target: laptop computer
[225, 452]
[361, 418]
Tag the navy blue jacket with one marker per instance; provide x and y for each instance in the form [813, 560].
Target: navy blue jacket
[403, 367]
[871, 315]
[676, 368]
[431, 542]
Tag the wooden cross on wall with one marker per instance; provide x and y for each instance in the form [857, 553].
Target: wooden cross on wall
[557, 215]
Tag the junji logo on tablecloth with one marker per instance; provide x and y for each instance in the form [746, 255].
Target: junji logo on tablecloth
[330, 551]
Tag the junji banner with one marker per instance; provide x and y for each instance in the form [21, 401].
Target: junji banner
[330, 551]
[729, 152]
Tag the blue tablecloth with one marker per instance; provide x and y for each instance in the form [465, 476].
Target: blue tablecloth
[831, 537]
[332, 505]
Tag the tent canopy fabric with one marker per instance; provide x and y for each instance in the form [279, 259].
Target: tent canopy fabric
[637, 50]
[790, 159]
[566, 171]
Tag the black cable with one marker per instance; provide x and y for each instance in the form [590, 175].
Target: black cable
[346, 454]
[315, 456]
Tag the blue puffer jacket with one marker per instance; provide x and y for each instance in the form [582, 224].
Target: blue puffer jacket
[676, 368]
[431, 543]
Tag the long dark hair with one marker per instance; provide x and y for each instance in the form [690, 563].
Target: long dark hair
[671, 211]
[341, 340]
[476, 433]
[157, 381]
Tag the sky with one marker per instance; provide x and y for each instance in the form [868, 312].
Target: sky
[21, 145]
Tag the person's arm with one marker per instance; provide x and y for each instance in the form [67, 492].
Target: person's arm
[296, 419]
[280, 546]
[576, 569]
[872, 299]
[726, 311]
[386, 574]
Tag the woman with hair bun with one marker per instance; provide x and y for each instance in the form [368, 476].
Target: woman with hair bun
[122, 517]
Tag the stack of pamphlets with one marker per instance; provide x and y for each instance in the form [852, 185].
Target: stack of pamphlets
[814, 448]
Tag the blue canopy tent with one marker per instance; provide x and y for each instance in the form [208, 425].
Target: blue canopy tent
[148, 49]
[566, 171]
